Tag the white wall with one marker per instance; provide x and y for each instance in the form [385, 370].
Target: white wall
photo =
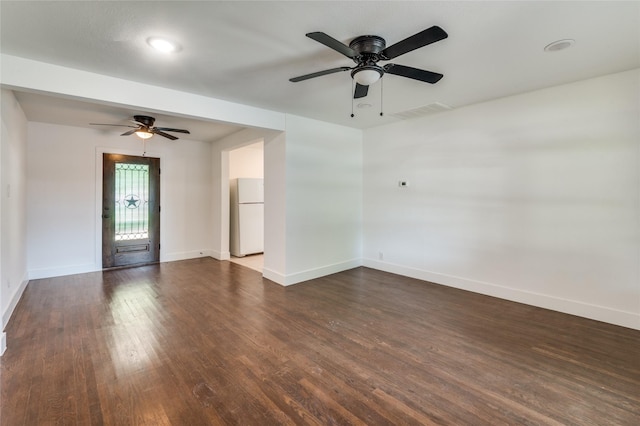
[64, 191]
[323, 198]
[13, 231]
[533, 198]
[247, 162]
[313, 198]
[274, 207]
[275, 214]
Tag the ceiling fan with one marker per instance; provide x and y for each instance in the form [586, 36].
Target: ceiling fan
[145, 129]
[367, 50]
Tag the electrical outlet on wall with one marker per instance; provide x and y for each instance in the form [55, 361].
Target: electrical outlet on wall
[380, 255]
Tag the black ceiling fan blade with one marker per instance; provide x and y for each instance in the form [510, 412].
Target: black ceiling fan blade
[117, 125]
[169, 129]
[166, 135]
[318, 74]
[332, 43]
[423, 38]
[361, 91]
[130, 132]
[414, 73]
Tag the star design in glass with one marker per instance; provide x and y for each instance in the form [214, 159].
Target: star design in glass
[132, 202]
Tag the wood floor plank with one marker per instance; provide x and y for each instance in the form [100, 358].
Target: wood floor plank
[204, 342]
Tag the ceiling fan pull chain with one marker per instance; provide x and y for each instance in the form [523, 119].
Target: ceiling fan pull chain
[144, 147]
[381, 93]
[351, 97]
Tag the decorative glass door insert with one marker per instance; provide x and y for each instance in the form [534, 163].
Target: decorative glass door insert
[132, 201]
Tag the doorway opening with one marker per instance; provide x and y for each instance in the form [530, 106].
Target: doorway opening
[246, 215]
[130, 210]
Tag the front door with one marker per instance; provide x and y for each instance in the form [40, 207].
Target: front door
[130, 210]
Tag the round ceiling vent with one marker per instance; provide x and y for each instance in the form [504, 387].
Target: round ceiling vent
[559, 45]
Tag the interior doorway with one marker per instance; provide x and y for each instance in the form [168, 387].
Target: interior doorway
[130, 210]
[246, 166]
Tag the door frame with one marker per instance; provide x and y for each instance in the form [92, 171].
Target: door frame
[98, 201]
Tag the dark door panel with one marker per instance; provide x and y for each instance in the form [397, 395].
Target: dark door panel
[130, 210]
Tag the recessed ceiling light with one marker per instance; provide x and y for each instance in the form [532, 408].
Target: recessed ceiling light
[364, 105]
[559, 45]
[163, 45]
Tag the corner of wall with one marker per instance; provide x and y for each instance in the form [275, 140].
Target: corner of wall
[310, 274]
[274, 276]
[219, 255]
[6, 315]
[13, 229]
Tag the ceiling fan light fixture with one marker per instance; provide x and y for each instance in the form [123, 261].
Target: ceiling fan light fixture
[143, 134]
[367, 75]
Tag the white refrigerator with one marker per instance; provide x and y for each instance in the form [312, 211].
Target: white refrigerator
[246, 235]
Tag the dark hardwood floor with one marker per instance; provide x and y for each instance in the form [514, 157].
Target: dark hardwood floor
[204, 342]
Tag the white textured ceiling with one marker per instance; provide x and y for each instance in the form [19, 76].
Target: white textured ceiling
[246, 51]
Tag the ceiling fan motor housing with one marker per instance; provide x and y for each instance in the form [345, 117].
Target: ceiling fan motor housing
[368, 50]
[144, 119]
[367, 45]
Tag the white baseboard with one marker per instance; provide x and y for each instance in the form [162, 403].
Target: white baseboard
[220, 255]
[573, 307]
[35, 274]
[6, 315]
[310, 274]
[172, 257]
[274, 276]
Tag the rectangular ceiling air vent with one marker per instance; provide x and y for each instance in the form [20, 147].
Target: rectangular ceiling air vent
[422, 111]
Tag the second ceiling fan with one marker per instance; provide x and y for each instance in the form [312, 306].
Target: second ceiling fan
[145, 129]
[367, 50]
